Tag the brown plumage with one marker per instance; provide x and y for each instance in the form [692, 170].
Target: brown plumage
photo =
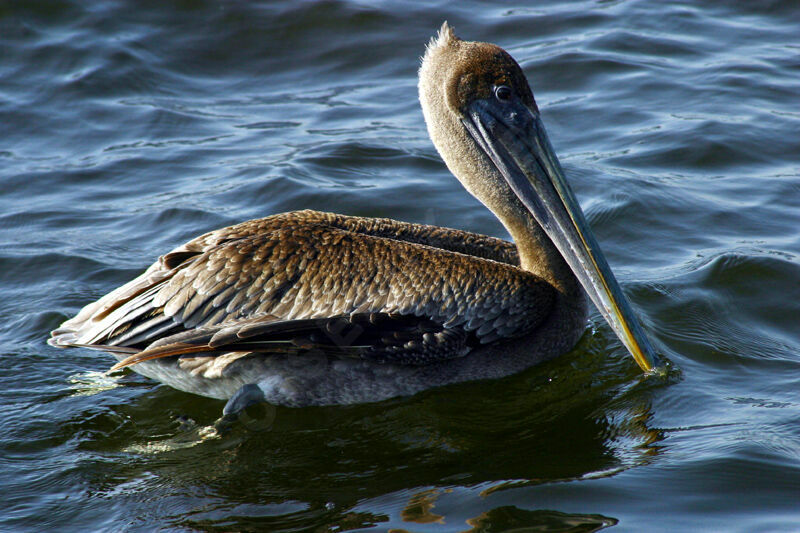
[282, 277]
[392, 307]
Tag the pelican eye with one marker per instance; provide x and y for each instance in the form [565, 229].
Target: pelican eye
[503, 93]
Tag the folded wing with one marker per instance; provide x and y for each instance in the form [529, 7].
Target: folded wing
[306, 281]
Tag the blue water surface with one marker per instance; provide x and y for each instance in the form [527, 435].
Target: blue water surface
[127, 128]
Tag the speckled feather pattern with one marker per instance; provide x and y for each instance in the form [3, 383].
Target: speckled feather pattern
[309, 265]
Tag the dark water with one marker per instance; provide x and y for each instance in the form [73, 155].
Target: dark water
[127, 128]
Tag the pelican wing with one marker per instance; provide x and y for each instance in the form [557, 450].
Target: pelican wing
[412, 294]
[378, 337]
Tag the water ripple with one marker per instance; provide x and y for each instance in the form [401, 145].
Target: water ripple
[125, 132]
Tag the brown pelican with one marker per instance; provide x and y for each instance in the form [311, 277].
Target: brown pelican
[310, 308]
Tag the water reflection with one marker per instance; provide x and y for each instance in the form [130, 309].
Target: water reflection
[519, 520]
[390, 463]
[505, 518]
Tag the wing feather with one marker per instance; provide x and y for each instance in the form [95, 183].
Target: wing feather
[263, 285]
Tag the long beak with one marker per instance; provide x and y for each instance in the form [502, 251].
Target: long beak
[513, 137]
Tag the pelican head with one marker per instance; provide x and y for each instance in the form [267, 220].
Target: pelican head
[483, 120]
